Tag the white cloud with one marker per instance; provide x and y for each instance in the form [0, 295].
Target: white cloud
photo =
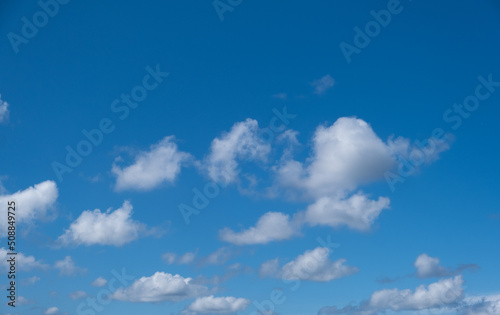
[99, 282]
[4, 110]
[31, 280]
[242, 142]
[323, 84]
[184, 259]
[481, 305]
[162, 163]
[231, 272]
[269, 268]
[357, 212]
[313, 265]
[21, 300]
[219, 257]
[437, 295]
[169, 258]
[77, 295]
[272, 226]
[282, 96]
[114, 228]
[423, 152]
[428, 267]
[51, 311]
[217, 305]
[67, 267]
[345, 155]
[160, 287]
[31, 203]
[23, 262]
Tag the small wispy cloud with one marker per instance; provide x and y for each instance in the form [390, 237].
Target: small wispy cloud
[99, 282]
[429, 267]
[323, 84]
[77, 295]
[30, 281]
[51, 311]
[282, 96]
[67, 267]
[4, 111]
[219, 257]
[25, 262]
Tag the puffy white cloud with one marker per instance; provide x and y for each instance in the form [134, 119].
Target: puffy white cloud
[23, 262]
[77, 295]
[357, 212]
[51, 311]
[272, 226]
[242, 142]
[99, 282]
[4, 110]
[31, 203]
[217, 305]
[162, 163]
[103, 228]
[437, 295]
[323, 84]
[348, 154]
[345, 155]
[312, 265]
[428, 267]
[160, 287]
[67, 267]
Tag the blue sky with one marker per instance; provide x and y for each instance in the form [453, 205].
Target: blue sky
[251, 157]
